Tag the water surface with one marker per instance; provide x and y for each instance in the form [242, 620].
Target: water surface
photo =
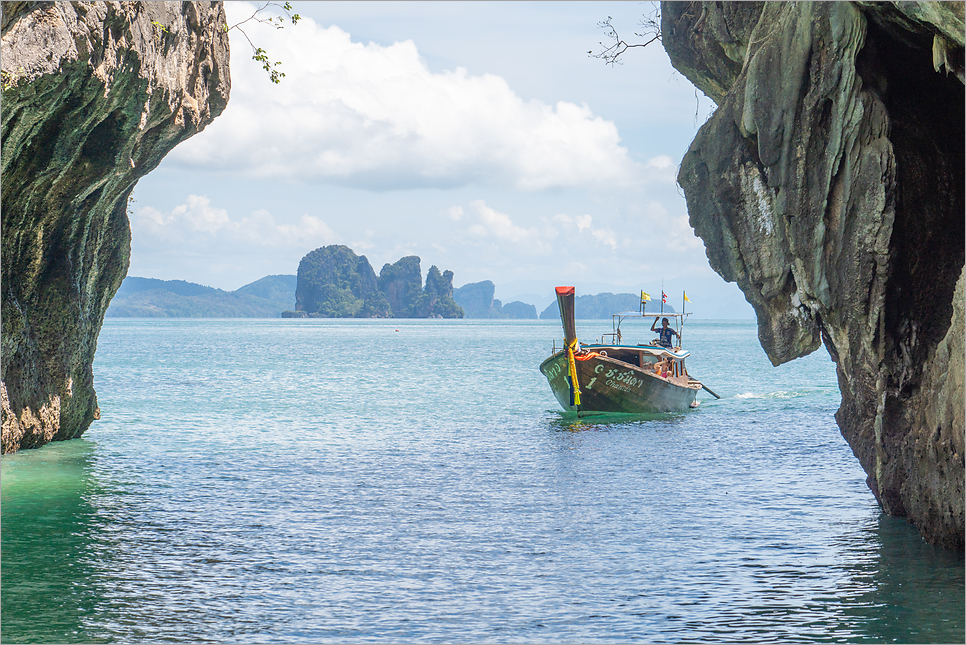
[415, 481]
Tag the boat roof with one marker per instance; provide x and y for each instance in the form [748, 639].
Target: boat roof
[669, 314]
[656, 350]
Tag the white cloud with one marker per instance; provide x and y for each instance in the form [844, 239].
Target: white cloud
[582, 222]
[605, 236]
[377, 117]
[499, 225]
[661, 170]
[660, 162]
[196, 224]
[560, 235]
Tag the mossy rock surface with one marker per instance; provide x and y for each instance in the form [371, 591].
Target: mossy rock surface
[829, 185]
[94, 96]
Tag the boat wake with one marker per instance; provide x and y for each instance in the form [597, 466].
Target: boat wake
[781, 394]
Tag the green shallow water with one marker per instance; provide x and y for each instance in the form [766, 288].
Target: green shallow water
[341, 481]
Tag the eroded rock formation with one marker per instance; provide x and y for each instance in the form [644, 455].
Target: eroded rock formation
[402, 284]
[334, 282]
[829, 185]
[94, 95]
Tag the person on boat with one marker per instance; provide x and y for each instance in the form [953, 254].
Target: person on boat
[665, 332]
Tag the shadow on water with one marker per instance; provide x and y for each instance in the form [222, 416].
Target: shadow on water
[48, 535]
[570, 422]
[916, 592]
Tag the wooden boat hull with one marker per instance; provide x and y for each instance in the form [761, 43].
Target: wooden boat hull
[609, 385]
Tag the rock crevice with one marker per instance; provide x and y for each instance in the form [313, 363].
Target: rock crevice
[94, 95]
[829, 185]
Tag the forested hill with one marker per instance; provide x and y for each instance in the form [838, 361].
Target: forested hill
[152, 298]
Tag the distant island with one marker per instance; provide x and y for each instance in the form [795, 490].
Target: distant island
[476, 299]
[340, 284]
[153, 298]
[334, 282]
[604, 305]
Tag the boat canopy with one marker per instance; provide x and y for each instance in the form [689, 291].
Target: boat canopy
[657, 350]
[637, 314]
[653, 350]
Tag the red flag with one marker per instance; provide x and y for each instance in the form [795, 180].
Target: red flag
[663, 297]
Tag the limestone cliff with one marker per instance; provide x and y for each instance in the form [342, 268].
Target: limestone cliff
[334, 282]
[94, 95]
[829, 185]
[402, 282]
[437, 300]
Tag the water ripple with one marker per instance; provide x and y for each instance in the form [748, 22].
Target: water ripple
[280, 481]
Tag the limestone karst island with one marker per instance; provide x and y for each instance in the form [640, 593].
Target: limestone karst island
[828, 184]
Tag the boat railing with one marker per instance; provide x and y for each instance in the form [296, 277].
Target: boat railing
[615, 338]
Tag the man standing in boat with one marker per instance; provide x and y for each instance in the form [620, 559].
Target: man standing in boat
[665, 332]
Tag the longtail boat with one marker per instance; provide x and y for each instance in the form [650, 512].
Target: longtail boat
[614, 377]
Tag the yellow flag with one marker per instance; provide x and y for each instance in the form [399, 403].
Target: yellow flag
[686, 299]
[645, 297]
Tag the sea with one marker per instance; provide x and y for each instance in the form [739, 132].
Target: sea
[415, 481]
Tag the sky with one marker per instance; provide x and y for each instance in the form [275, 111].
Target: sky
[480, 136]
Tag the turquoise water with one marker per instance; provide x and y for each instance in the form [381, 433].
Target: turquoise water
[414, 481]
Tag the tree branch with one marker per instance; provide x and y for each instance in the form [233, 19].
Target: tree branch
[611, 53]
[259, 54]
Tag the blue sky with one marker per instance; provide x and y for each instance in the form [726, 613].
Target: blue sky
[479, 136]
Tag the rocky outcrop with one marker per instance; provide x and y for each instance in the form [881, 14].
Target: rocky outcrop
[94, 95]
[476, 299]
[402, 282]
[829, 185]
[334, 282]
[437, 300]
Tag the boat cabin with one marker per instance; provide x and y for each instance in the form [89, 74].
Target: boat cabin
[667, 362]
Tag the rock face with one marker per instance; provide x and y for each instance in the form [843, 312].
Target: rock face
[94, 95]
[829, 185]
[476, 299]
[334, 282]
[402, 282]
[437, 299]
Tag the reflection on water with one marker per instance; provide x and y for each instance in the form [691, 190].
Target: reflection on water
[85, 561]
[913, 587]
[570, 422]
[49, 535]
